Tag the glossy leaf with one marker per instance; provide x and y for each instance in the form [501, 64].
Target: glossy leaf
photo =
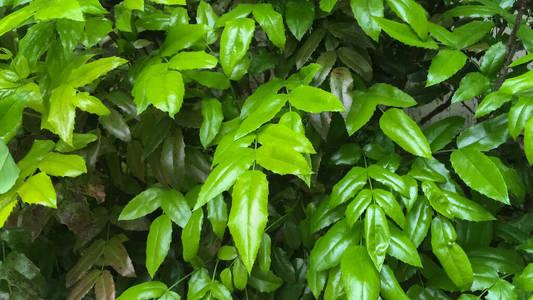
[89, 72]
[271, 22]
[479, 173]
[402, 248]
[377, 234]
[444, 65]
[390, 206]
[413, 14]
[490, 103]
[451, 256]
[314, 100]
[398, 126]
[192, 60]
[360, 278]
[282, 160]
[158, 243]
[517, 84]
[248, 215]
[388, 178]
[263, 113]
[217, 214]
[223, 177]
[404, 34]
[62, 112]
[299, 15]
[519, 114]
[348, 186]
[364, 11]
[418, 221]
[356, 208]
[361, 110]
[8, 169]
[213, 117]
[493, 59]
[38, 189]
[441, 133]
[145, 290]
[329, 248]
[143, 204]
[277, 134]
[471, 85]
[57, 164]
[528, 141]
[486, 135]
[390, 287]
[234, 44]
[190, 236]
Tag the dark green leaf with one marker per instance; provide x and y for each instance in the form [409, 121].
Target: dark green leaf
[158, 243]
[299, 15]
[190, 236]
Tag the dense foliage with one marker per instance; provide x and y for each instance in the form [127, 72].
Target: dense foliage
[290, 149]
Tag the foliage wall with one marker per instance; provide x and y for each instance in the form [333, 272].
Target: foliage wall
[222, 149]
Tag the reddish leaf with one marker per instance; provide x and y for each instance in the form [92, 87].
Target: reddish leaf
[117, 257]
[104, 288]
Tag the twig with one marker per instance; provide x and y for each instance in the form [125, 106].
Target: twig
[435, 112]
[510, 48]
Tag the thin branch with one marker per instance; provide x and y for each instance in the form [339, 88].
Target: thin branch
[435, 112]
[510, 48]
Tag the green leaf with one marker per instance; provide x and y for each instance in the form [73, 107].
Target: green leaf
[413, 14]
[158, 243]
[170, 295]
[522, 60]
[519, 114]
[116, 126]
[234, 44]
[493, 59]
[89, 72]
[16, 18]
[362, 109]
[224, 176]
[360, 278]
[57, 164]
[324, 216]
[9, 172]
[480, 173]
[79, 141]
[240, 274]
[171, 2]
[264, 112]
[451, 256]
[390, 287]
[377, 234]
[271, 22]
[513, 181]
[277, 134]
[528, 141]
[518, 84]
[441, 133]
[215, 80]
[314, 100]
[249, 214]
[190, 236]
[422, 170]
[217, 214]
[175, 207]
[356, 61]
[57, 9]
[38, 189]
[264, 254]
[404, 34]
[182, 36]
[486, 135]
[390, 206]
[242, 10]
[386, 94]
[525, 279]
[502, 289]
[357, 207]
[402, 248]
[399, 127]
[11, 109]
[134, 4]
[90, 104]
[491, 102]
[363, 12]
[388, 178]
[329, 248]
[327, 5]
[472, 85]
[453, 205]
[264, 282]
[145, 290]
[299, 15]
[212, 120]
[227, 253]
[470, 33]
[258, 98]
[444, 65]
[165, 90]
[282, 160]
[96, 28]
[316, 281]
[348, 186]
[192, 60]
[418, 221]
[206, 15]
[142, 204]
[62, 112]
